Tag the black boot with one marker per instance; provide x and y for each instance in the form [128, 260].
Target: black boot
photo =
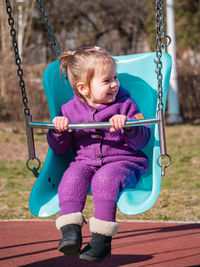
[98, 248]
[71, 242]
[70, 225]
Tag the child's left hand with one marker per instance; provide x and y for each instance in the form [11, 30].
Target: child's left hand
[117, 122]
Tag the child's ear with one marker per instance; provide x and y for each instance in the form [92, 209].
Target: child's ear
[83, 90]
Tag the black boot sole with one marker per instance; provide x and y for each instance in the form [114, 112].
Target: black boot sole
[87, 257]
[69, 248]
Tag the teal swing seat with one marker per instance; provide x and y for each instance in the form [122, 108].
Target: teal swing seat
[137, 75]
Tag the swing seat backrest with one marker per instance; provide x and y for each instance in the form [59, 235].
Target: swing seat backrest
[137, 75]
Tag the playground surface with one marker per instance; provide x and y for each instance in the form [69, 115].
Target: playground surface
[138, 243]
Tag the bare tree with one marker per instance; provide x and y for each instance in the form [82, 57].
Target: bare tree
[8, 75]
[6, 49]
[28, 11]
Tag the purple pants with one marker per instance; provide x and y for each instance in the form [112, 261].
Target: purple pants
[106, 182]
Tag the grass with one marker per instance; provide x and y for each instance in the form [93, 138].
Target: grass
[179, 199]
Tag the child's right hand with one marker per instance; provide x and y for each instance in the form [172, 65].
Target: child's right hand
[61, 124]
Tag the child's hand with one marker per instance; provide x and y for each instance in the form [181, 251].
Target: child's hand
[117, 122]
[61, 124]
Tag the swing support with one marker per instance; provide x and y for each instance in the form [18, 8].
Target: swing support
[161, 46]
[73, 126]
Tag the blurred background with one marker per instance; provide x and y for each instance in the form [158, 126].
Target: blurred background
[120, 26]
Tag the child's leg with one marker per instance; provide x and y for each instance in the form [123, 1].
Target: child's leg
[73, 188]
[106, 184]
[72, 193]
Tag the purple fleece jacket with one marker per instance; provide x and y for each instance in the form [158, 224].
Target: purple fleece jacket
[100, 146]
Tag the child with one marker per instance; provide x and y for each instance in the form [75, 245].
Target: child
[108, 159]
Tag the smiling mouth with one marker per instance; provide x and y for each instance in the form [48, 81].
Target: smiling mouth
[111, 94]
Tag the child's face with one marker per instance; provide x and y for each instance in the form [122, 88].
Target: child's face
[104, 86]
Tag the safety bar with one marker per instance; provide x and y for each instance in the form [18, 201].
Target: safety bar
[72, 126]
[46, 125]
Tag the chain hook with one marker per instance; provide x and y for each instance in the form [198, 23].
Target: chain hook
[34, 169]
[163, 166]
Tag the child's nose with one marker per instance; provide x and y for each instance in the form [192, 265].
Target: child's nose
[113, 84]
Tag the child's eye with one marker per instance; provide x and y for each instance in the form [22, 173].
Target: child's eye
[106, 81]
[109, 80]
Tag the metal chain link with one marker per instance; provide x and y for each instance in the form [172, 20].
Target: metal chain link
[160, 34]
[161, 47]
[21, 83]
[17, 58]
[54, 44]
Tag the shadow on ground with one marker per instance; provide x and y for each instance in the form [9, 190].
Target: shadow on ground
[74, 261]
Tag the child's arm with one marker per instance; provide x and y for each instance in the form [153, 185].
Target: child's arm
[61, 124]
[60, 140]
[138, 136]
[117, 122]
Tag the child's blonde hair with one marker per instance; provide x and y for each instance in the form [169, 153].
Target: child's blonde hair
[80, 65]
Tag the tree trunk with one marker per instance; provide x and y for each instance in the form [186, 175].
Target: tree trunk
[6, 49]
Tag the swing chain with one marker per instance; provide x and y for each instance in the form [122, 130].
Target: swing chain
[54, 44]
[161, 47]
[160, 34]
[17, 58]
[29, 131]
[162, 39]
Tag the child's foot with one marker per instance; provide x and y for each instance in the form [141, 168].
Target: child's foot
[98, 249]
[71, 242]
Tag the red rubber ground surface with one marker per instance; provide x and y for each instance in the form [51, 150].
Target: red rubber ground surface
[34, 243]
